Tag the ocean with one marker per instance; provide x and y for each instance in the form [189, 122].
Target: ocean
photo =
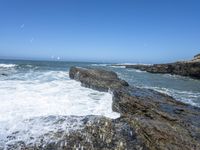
[35, 94]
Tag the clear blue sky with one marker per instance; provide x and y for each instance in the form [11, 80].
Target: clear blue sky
[150, 31]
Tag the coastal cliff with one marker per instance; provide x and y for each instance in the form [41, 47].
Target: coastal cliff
[184, 68]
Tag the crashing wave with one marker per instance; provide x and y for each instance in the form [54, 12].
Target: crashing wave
[7, 65]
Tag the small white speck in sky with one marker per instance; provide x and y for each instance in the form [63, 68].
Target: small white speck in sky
[58, 58]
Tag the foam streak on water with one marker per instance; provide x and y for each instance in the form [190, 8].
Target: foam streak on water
[181, 88]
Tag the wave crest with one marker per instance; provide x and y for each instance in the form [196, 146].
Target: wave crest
[7, 65]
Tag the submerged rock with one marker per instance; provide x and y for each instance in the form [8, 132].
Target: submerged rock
[158, 120]
[4, 74]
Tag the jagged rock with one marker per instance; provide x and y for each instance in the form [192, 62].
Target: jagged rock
[191, 69]
[97, 79]
[159, 121]
[97, 133]
[183, 68]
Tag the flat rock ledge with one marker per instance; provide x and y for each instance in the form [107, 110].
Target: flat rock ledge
[97, 79]
[184, 68]
[156, 120]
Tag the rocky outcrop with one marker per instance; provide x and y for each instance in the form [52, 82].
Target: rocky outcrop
[96, 133]
[191, 69]
[158, 120]
[97, 79]
[183, 68]
[161, 121]
[149, 120]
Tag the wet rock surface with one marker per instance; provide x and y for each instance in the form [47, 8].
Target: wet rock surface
[184, 68]
[96, 133]
[149, 121]
[161, 121]
[191, 69]
[158, 120]
[97, 79]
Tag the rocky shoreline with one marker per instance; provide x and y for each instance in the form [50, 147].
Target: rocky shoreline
[158, 120]
[184, 68]
[148, 120]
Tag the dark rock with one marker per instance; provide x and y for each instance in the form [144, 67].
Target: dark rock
[97, 79]
[183, 68]
[191, 69]
[3, 74]
[98, 133]
[158, 120]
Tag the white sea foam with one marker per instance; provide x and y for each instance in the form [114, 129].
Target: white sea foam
[138, 71]
[184, 96]
[99, 64]
[7, 65]
[134, 64]
[117, 66]
[45, 94]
